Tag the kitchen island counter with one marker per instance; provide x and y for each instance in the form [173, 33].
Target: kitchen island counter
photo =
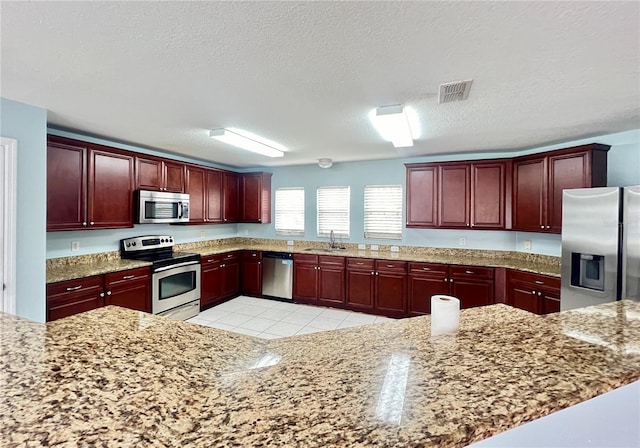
[113, 376]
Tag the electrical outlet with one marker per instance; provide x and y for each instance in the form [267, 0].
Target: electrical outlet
[374, 247]
[289, 242]
[362, 246]
[245, 232]
[527, 244]
[75, 246]
[395, 249]
[463, 241]
[202, 234]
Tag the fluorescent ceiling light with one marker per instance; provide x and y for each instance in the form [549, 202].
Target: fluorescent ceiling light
[249, 142]
[392, 124]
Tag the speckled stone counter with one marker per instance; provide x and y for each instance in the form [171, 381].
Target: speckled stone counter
[67, 268]
[116, 377]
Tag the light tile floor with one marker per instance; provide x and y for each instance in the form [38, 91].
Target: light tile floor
[270, 319]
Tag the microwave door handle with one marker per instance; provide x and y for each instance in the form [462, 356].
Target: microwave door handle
[181, 210]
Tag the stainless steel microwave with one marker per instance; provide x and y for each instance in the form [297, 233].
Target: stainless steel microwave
[161, 207]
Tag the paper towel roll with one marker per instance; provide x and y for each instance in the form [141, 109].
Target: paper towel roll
[445, 314]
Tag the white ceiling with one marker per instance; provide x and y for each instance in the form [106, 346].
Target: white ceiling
[307, 74]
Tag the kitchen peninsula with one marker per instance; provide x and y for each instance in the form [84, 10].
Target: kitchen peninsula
[114, 376]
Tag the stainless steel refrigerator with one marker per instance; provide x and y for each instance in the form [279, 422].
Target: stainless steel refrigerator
[600, 246]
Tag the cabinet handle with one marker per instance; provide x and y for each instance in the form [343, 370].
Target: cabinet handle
[467, 225]
[222, 265]
[445, 280]
[108, 293]
[359, 263]
[426, 269]
[539, 293]
[211, 260]
[74, 288]
[101, 294]
[548, 227]
[389, 265]
[91, 223]
[533, 292]
[538, 282]
[84, 224]
[229, 256]
[377, 273]
[253, 255]
[127, 277]
[259, 262]
[469, 272]
[373, 273]
[542, 227]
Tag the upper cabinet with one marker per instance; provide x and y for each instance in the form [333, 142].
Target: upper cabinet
[539, 179]
[160, 174]
[88, 186]
[231, 197]
[255, 197]
[457, 194]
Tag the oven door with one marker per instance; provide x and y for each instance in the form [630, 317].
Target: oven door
[175, 285]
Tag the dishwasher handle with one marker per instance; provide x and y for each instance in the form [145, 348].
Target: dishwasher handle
[278, 255]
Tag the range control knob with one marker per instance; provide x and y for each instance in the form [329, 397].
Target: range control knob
[133, 244]
[128, 244]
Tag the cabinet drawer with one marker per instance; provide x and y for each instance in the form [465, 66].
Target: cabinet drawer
[428, 268]
[330, 260]
[305, 258]
[535, 280]
[252, 255]
[209, 259]
[81, 285]
[361, 263]
[117, 278]
[388, 265]
[229, 256]
[471, 272]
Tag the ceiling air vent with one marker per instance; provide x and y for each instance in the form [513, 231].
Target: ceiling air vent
[454, 91]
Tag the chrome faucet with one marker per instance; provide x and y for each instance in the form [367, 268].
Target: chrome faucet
[332, 240]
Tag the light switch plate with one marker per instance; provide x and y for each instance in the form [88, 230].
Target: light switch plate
[202, 234]
[362, 246]
[374, 247]
[463, 241]
[527, 244]
[395, 249]
[289, 242]
[75, 246]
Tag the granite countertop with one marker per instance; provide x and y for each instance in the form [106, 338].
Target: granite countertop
[68, 268]
[117, 377]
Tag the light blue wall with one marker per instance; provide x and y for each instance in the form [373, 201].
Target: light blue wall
[623, 169]
[28, 125]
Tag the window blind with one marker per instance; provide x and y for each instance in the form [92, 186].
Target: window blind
[333, 211]
[383, 211]
[290, 211]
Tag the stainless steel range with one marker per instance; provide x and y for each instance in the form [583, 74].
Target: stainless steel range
[175, 280]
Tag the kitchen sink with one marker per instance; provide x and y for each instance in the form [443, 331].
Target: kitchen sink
[325, 249]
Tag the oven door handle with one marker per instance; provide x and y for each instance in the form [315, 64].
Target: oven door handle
[173, 266]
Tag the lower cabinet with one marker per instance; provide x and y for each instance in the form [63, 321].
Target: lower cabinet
[220, 278]
[319, 279]
[377, 286]
[129, 289]
[536, 293]
[360, 285]
[474, 286]
[251, 273]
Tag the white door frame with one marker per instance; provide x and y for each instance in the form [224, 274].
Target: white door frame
[8, 164]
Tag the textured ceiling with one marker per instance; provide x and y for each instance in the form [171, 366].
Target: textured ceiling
[307, 74]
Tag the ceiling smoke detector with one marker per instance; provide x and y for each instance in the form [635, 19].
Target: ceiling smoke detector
[454, 91]
[325, 163]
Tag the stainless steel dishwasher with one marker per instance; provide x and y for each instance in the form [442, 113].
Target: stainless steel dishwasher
[277, 275]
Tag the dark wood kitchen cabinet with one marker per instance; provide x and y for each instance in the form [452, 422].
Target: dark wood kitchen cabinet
[251, 274]
[319, 279]
[255, 197]
[88, 186]
[457, 195]
[220, 278]
[157, 174]
[195, 187]
[536, 293]
[230, 266]
[214, 198]
[360, 284]
[474, 286]
[539, 179]
[230, 194]
[128, 289]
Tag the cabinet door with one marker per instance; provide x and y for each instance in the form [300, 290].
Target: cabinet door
[110, 190]
[195, 187]
[231, 282]
[214, 199]
[211, 277]
[530, 192]
[550, 301]
[360, 289]
[488, 182]
[230, 195]
[129, 289]
[331, 285]
[454, 201]
[391, 293]
[252, 277]
[524, 297]
[173, 177]
[423, 285]
[251, 198]
[148, 174]
[565, 171]
[305, 283]
[422, 196]
[472, 292]
[66, 186]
